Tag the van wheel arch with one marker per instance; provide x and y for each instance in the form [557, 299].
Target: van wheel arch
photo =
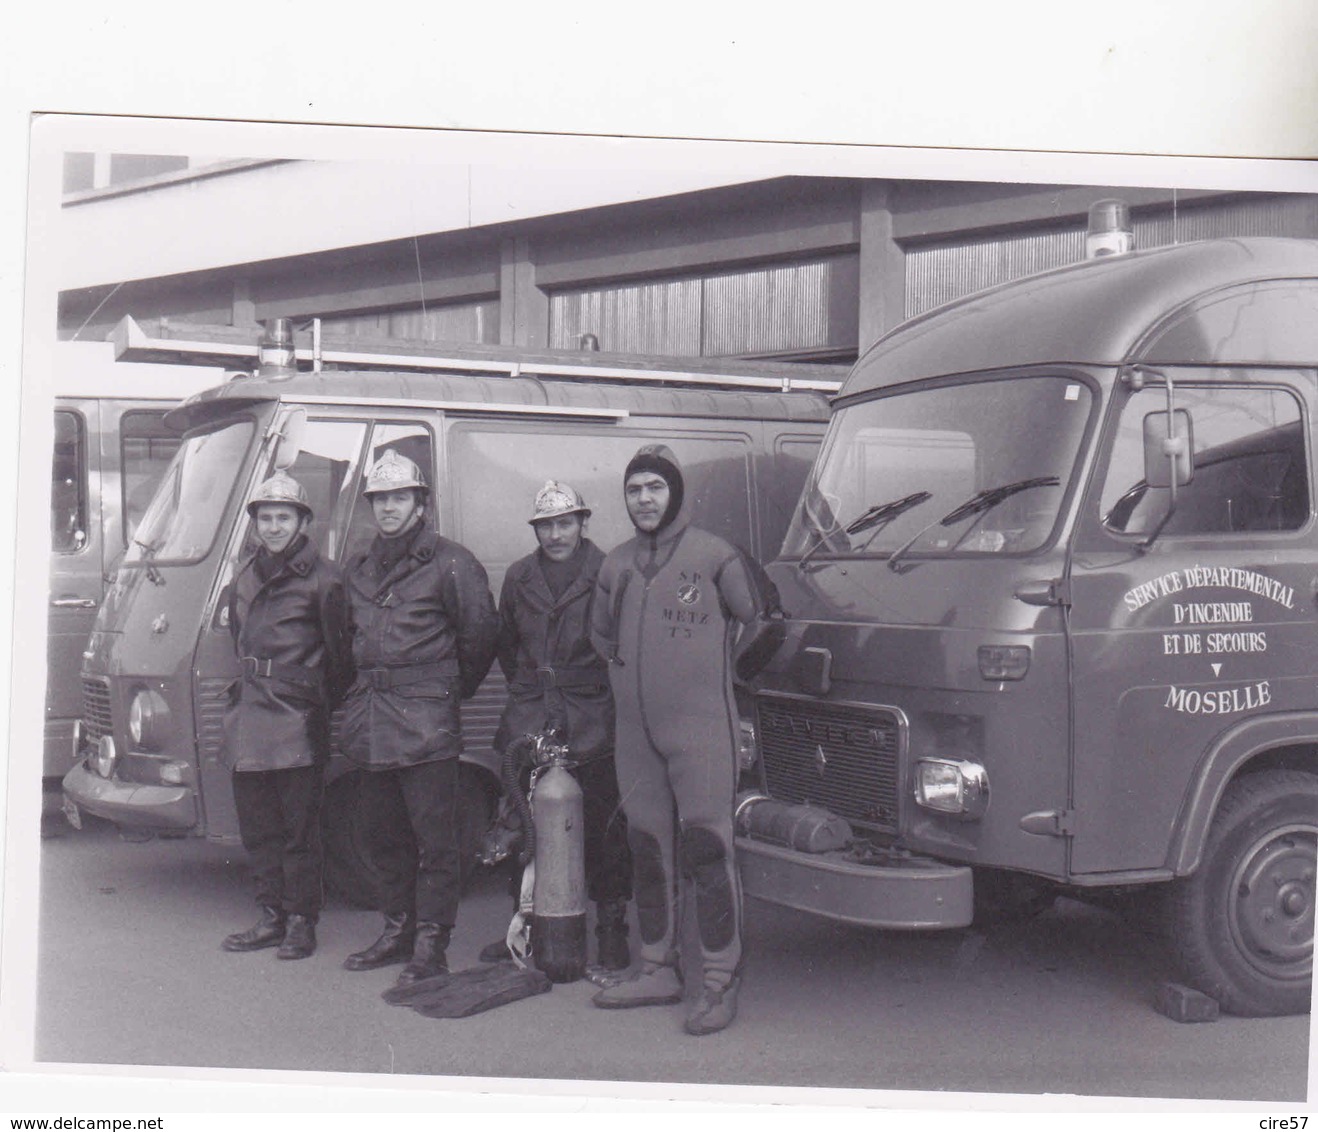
[1241, 925]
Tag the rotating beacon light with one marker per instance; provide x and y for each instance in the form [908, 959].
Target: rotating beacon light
[1109, 231]
[275, 353]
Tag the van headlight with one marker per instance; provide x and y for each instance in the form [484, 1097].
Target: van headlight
[952, 786]
[747, 749]
[148, 716]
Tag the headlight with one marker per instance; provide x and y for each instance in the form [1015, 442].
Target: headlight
[952, 786]
[147, 716]
[747, 752]
[103, 761]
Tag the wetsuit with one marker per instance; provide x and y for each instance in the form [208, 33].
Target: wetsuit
[665, 613]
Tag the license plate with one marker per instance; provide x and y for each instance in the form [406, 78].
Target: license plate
[71, 812]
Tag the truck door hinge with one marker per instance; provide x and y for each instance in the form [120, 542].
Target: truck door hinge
[1049, 823]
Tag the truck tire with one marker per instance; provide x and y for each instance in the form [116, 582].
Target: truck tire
[350, 871]
[1242, 926]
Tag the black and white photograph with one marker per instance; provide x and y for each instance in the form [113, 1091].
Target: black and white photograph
[569, 614]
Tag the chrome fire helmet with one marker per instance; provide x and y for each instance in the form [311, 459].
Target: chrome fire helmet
[392, 472]
[280, 488]
[556, 499]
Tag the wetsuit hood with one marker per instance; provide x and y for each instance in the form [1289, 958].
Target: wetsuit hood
[660, 459]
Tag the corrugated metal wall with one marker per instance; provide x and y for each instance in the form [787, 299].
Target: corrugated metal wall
[941, 271]
[802, 307]
[450, 322]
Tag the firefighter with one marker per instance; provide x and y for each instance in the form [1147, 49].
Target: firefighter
[557, 679]
[287, 614]
[666, 607]
[424, 628]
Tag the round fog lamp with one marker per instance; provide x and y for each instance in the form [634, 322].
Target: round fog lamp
[106, 756]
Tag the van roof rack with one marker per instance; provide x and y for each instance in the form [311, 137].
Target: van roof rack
[235, 347]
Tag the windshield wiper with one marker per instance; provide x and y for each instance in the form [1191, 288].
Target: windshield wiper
[877, 517]
[978, 504]
[990, 497]
[148, 552]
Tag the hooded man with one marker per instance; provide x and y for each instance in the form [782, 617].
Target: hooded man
[666, 609]
[288, 618]
[424, 629]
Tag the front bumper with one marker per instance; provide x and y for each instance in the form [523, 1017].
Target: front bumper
[916, 894]
[134, 804]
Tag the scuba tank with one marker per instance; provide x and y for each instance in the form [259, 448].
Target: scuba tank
[554, 854]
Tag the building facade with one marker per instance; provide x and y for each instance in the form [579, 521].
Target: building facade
[790, 268]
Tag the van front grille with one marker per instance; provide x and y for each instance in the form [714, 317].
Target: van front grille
[844, 758]
[96, 717]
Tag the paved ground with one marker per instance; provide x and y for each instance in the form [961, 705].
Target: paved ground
[131, 972]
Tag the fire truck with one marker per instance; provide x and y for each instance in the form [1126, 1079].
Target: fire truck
[488, 425]
[1053, 617]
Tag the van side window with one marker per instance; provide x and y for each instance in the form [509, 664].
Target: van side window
[495, 471]
[411, 440]
[326, 466]
[68, 484]
[146, 447]
[1250, 466]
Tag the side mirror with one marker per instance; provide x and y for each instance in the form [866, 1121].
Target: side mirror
[289, 444]
[1167, 451]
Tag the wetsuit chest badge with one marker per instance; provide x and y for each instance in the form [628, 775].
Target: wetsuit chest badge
[688, 593]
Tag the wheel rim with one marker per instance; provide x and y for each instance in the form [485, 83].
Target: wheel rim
[1272, 902]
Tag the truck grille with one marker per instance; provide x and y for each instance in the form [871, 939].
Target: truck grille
[96, 718]
[841, 757]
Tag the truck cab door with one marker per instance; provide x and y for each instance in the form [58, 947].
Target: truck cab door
[75, 571]
[1212, 623]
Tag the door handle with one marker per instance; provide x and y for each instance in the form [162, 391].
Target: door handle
[73, 602]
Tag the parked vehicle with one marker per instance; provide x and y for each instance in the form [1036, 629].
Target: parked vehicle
[111, 448]
[1053, 582]
[160, 659]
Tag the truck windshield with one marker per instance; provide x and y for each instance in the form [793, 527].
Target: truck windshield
[975, 468]
[180, 524]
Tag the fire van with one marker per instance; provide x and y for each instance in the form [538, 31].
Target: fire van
[1053, 616]
[111, 447]
[489, 427]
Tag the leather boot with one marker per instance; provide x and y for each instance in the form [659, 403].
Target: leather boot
[393, 946]
[428, 953]
[611, 935]
[268, 931]
[299, 939]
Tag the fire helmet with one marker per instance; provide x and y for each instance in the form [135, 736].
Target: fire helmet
[392, 472]
[556, 499]
[280, 488]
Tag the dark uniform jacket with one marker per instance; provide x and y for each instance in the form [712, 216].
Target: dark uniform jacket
[291, 636]
[545, 651]
[423, 636]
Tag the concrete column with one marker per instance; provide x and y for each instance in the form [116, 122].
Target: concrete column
[882, 266]
[523, 307]
[244, 307]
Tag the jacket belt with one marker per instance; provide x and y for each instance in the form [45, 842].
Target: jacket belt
[397, 676]
[254, 666]
[548, 676]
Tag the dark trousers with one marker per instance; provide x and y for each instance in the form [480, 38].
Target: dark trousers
[603, 836]
[608, 856]
[412, 815]
[279, 820]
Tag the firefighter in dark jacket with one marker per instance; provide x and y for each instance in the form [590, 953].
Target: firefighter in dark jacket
[424, 628]
[666, 610]
[557, 679]
[287, 614]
